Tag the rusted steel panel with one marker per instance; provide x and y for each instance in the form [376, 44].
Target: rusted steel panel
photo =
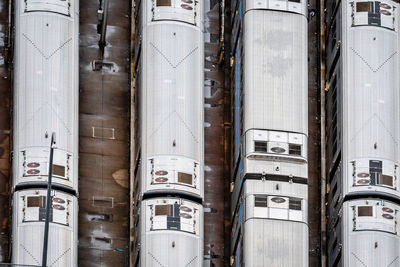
[104, 137]
[5, 109]
[314, 155]
[216, 193]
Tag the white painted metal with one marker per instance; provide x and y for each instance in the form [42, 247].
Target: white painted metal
[46, 92]
[172, 98]
[28, 228]
[369, 45]
[275, 232]
[276, 209]
[172, 232]
[174, 173]
[295, 6]
[275, 71]
[371, 240]
[271, 210]
[58, 6]
[274, 49]
[370, 101]
[45, 101]
[169, 230]
[275, 243]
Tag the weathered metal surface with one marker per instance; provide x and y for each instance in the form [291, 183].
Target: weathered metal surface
[104, 137]
[321, 25]
[226, 55]
[314, 127]
[216, 176]
[314, 135]
[5, 108]
[134, 129]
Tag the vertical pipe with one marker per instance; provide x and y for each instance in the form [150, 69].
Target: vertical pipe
[9, 24]
[104, 24]
[48, 202]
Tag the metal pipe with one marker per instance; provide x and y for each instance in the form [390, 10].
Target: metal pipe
[222, 34]
[7, 36]
[48, 201]
[102, 41]
[9, 22]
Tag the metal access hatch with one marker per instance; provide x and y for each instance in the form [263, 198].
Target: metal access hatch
[56, 6]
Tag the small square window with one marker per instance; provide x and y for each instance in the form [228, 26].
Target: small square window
[261, 147]
[36, 202]
[185, 178]
[365, 211]
[58, 170]
[163, 2]
[363, 7]
[294, 204]
[294, 149]
[386, 180]
[163, 210]
[261, 201]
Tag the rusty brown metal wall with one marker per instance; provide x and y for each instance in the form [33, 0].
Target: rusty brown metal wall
[5, 137]
[216, 175]
[104, 137]
[226, 56]
[314, 135]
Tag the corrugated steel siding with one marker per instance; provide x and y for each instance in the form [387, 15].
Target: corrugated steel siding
[273, 80]
[275, 243]
[46, 79]
[172, 103]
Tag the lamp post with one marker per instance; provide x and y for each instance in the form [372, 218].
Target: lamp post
[48, 201]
